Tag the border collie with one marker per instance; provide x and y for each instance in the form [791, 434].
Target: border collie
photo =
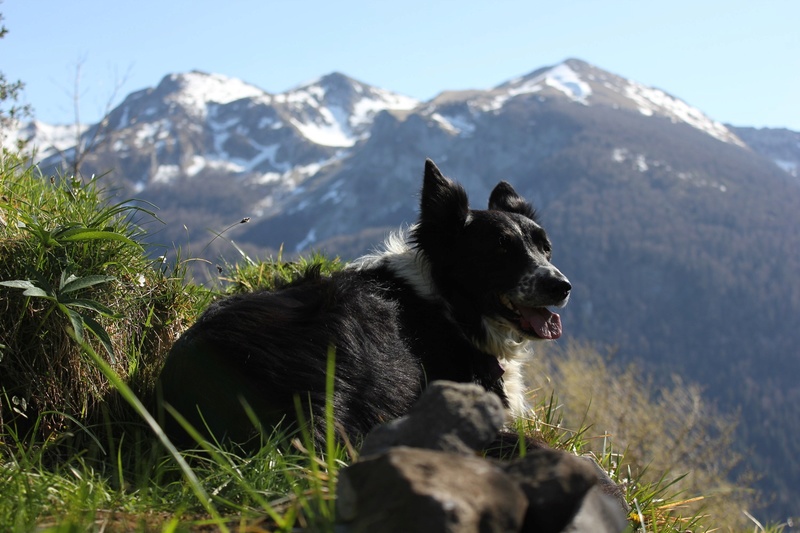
[457, 297]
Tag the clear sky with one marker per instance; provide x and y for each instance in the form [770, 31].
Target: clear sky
[736, 60]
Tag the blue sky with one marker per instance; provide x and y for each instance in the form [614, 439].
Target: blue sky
[736, 60]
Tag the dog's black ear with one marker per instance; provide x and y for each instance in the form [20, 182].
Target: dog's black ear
[505, 198]
[443, 208]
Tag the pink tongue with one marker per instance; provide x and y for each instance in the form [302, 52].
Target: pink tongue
[545, 323]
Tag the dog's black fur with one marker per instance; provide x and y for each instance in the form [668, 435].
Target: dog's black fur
[457, 299]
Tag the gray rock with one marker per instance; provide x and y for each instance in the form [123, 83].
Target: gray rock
[453, 417]
[607, 485]
[554, 483]
[599, 513]
[414, 490]
[421, 474]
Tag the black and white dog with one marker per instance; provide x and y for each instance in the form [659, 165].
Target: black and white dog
[458, 298]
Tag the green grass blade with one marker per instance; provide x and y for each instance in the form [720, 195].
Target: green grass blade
[142, 411]
[224, 464]
[330, 429]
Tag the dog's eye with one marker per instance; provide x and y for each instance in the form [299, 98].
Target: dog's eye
[502, 245]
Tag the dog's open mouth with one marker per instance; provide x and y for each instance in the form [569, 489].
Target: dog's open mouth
[537, 321]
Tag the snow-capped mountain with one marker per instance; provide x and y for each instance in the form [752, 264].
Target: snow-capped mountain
[197, 123]
[338, 111]
[594, 86]
[290, 159]
[587, 85]
[48, 139]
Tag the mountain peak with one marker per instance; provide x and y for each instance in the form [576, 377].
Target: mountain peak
[586, 84]
[337, 110]
[565, 78]
[196, 89]
[338, 78]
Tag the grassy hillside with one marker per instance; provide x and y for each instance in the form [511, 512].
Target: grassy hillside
[87, 318]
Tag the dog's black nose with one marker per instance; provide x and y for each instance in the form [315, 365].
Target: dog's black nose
[562, 287]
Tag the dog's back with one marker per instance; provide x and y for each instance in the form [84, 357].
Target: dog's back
[263, 349]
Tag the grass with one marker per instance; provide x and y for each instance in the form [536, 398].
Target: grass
[87, 318]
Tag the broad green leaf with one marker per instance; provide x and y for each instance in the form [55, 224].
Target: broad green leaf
[91, 304]
[102, 335]
[66, 277]
[31, 289]
[76, 319]
[85, 234]
[39, 281]
[60, 231]
[18, 284]
[86, 281]
[37, 292]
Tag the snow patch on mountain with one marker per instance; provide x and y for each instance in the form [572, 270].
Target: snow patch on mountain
[198, 89]
[643, 164]
[455, 124]
[329, 130]
[651, 101]
[266, 153]
[574, 79]
[561, 78]
[149, 132]
[564, 79]
[380, 100]
[790, 167]
[165, 174]
[339, 116]
[639, 161]
[309, 239]
[45, 139]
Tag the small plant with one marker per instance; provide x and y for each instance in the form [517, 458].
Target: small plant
[61, 299]
[71, 266]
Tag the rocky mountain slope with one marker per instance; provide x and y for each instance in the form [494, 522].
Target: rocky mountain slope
[782, 146]
[678, 232]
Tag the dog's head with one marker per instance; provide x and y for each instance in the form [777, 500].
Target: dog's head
[495, 262]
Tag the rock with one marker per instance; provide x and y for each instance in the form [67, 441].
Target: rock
[554, 483]
[409, 489]
[453, 417]
[507, 443]
[421, 473]
[607, 485]
[599, 513]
